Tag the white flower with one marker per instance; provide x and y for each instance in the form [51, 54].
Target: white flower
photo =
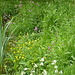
[61, 72]
[45, 72]
[35, 65]
[31, 74]
[42, 59]
[41, 63]
[52, 63]
[25, 68]
[33, 71]
[56, 67]
[22, 72]
[56, 71]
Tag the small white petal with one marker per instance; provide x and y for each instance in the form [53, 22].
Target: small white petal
[42, 59]
[41, 63]
[56, 67]
[61, 72]
[33, 71]
[35, 65]
[22, 72]
[56, 71]
[25, 68]
[31, 74]
[52, 63]
[44, 72]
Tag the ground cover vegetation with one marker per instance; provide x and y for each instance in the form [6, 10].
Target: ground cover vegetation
[37, 37]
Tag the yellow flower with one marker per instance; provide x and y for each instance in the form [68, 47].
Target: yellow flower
[29, 42]
[45, 57]
[25, 42]
[11, 48]
[28, 48]
[31, 47]
[16, 57]
[5, 66]
[14, 52]
[22, 57]
[20, 47]
[19, 56]
[27, 34]
[33, 44]
[9, 43]
[18, 51]
[32, 63]
[14, 60]
[14, 48]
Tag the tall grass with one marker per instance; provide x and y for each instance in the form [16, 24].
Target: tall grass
[0, 39]
[4, 38]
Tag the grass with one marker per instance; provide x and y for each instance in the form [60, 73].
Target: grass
[43, 42]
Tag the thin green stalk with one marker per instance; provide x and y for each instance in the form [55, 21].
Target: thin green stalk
[0, 37]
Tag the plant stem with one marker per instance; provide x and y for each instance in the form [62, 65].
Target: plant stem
[1, 37]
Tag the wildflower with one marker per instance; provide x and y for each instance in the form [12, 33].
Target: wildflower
[35, 65]
[14, 60]
[7, 20]
[22, 72]
[53, 43]
[41, 63]
[3, 16]
[9, 15]
[18, 51]
[20, 5]
[48, 48]
[4, 13]
[27, 34]
[5, 66]
[37, 3]
[19, 56]
[20, 1]
[28, 10]
[15, 5]
[42, 59]
[14, 52]
[31, 74]
[61, 72]
[22, 57]
[54, 61]
[56, 67]
[32, 2]
[56, 71]
[16, 9]
[45, 72]
[35, 28]
[33, 71]
[28, 48]
[25, 68]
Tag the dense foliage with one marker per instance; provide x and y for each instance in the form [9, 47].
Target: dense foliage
[42, 42]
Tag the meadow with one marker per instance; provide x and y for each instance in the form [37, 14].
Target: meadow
[37, 37]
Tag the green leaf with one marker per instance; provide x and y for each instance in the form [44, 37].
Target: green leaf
[73, 57]
[10, 56]
[23, 63]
